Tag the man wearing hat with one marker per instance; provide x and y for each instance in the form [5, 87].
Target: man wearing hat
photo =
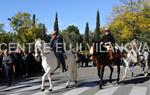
[109, 42]
[7, 63]
[56, 44]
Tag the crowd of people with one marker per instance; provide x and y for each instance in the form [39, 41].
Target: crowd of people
[17, 65]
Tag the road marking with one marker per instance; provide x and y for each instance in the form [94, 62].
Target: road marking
[81, 89]
[107, 91]
[31, 81]
[136, 90]
[76, 91]
[30, 88]
[58, 87]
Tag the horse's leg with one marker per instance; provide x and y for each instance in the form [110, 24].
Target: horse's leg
[99, 68]
[43, 78]
[125, 73]
[118, 70]
[126, 68]
[131, 72]
[111, 72]
[103, 68]
[50, 82]
[75, 73]
[70, 76]
[146, 72]
[147, 68]
[72, 73]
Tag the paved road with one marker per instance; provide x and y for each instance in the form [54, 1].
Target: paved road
[87, 84]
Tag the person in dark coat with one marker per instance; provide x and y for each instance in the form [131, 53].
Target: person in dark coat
[7, 63]
[1, 70]
[108, 42]
[55, 42]
[18, 63]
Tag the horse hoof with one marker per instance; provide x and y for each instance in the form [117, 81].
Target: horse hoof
[42, 90]
[76, 82]
[118, 82]
[123, 78]
[146, 75]
[100, 87]
[50, 90]
[110, 81]
[67, 86]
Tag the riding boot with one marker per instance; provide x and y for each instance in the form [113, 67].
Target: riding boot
[63, 62]
[64, 67]
[110, 54]
[65, 56]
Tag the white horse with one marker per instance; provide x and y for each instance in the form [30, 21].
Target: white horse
[131, 57]
[50, 64]
[143, 56]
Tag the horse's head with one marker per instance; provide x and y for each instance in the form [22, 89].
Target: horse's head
[38, 46]
[91, 50]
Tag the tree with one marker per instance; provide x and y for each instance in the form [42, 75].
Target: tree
[72, 35]
[86, 34]
[56, 27]
[41, 31]
[26, 28]
[21, 23]
[44, 30]
[4, 37]
[97, 29]
[130, 20]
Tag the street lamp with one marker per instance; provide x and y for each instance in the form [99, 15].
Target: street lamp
[11, 34]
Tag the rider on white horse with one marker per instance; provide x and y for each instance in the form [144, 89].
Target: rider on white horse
[56, 44]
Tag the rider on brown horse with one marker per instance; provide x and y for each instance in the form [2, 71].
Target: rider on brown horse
[108, 42]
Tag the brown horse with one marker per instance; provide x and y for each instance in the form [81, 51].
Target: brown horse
[101, 58]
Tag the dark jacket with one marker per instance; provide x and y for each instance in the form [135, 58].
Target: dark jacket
[1, 59]
[7, 60]
[58, 40]
[108, 38]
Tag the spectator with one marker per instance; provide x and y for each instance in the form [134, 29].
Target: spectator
[1, 58]
[7, 64]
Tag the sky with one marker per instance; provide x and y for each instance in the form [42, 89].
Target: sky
[76, 12]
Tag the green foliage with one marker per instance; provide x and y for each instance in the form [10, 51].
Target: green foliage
[5, 37]
[56, 27]
[86, 34]
[26, 29]
[72, 35]
[130, 21]
[97, 29]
